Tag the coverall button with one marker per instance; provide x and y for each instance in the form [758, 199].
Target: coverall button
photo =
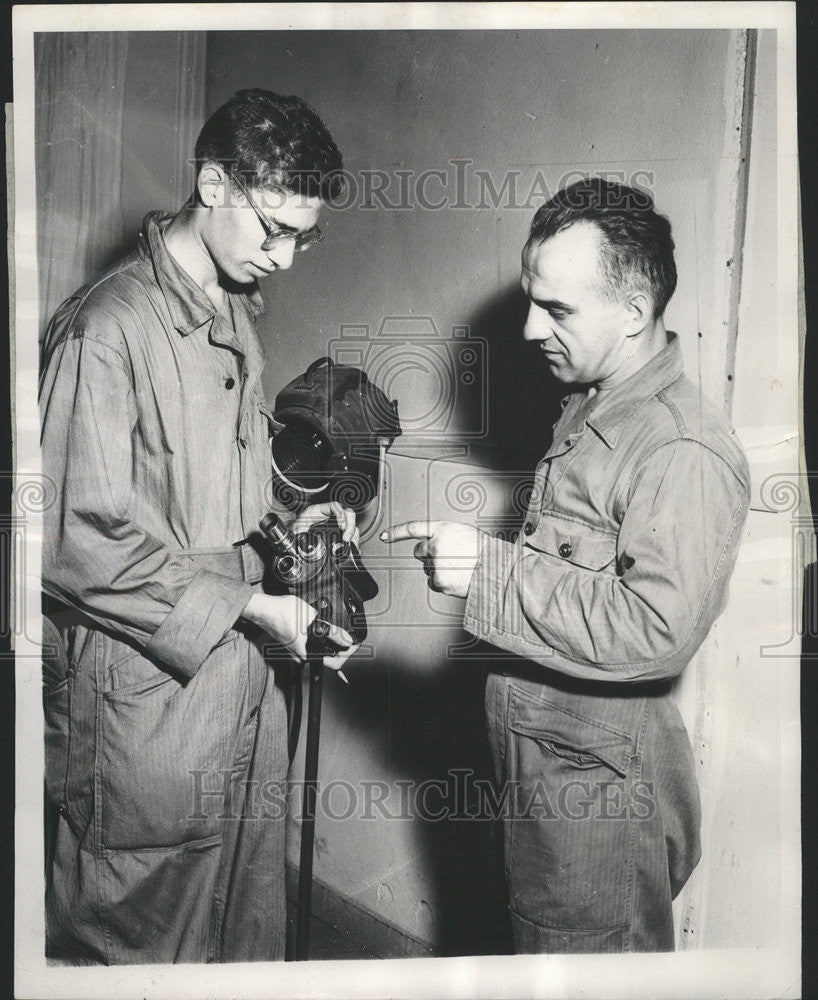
[229, 383]
[565, 550]
[529, 528]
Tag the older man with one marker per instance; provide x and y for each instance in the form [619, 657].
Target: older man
[620, 569]
[166, 730]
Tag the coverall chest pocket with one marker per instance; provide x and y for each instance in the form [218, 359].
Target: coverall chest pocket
[573, 542]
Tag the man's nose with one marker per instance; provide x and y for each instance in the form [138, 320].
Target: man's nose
[282, 254]
[537, 324]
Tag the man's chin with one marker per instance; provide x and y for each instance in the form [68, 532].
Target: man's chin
[257, 272]
[556, 365]
[242, 282]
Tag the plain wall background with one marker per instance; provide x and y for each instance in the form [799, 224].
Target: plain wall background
[646, 104]
[116, 117]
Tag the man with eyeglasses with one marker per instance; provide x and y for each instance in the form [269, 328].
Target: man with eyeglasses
[166, 749]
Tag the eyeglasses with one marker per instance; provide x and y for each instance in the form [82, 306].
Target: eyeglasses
[277, 237]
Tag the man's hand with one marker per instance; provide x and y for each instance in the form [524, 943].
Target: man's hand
[448, 550]
[318, 512]
[287, 620]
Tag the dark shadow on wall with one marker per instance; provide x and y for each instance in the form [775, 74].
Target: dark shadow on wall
[427, 720]
[429, 726]
[116, 253]
[522, 398]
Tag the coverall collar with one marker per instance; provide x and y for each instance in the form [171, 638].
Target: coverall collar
[189, 307]
[620, 404]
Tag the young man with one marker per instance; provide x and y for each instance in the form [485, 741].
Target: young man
[620, 570]
[163, 719]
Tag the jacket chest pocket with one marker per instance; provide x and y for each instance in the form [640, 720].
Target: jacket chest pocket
[573, 542]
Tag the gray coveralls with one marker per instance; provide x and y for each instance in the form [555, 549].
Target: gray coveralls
[621, 568]
[163, 720]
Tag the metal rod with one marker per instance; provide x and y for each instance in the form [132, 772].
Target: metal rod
[367, 532]
[302, 930]
[295, 711]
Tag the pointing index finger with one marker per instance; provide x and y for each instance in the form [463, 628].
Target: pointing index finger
[409, 529]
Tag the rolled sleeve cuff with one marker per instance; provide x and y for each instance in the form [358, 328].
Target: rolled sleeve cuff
[485, 601]
[494, 611]
[208, 607]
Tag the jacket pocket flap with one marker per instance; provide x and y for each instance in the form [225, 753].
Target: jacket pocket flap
[548, 723]
[574, 542]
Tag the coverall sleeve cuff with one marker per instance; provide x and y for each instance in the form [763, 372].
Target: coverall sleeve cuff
[209, 606]
[486, 597]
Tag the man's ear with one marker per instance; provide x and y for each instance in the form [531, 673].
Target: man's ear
[638, 312]
[211, 185]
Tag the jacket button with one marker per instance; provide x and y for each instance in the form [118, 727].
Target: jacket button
[229, 383]
[243, 442]
[565, 550]
[529, 528]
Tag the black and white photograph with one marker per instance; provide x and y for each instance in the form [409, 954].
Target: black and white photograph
[410, 511]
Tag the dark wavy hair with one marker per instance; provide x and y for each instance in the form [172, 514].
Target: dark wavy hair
[636, 248]
[273, 142]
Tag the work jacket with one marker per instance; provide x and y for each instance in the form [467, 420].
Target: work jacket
[631, 534]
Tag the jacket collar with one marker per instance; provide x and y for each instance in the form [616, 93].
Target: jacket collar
[620, 404]
[188, 305]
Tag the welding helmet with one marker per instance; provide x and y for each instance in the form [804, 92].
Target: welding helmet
[336, 427]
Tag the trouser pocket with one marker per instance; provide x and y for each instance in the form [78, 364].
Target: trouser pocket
[570, 839]
[531, 938]
[158, 902]
[158, 739]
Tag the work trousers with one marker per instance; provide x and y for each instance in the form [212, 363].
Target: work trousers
[601, 812]
[168, 843]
